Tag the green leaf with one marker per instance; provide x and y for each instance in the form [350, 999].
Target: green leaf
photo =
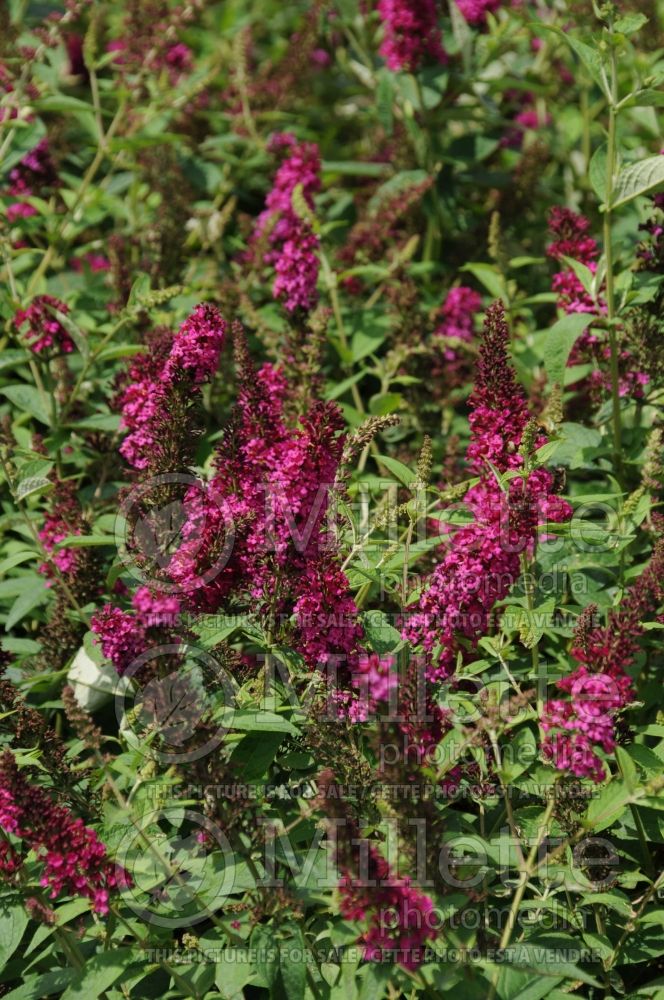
[627, 768]
[60, 102]
[629, 23]
[490, 277]
[43, 985]
[84, 541]
[385, 402]
[12, 357]
[25, 602]
[99, 972]
[293, 964]
[355, 168]
[637, 179]
[77, 335]
[590, 57]
[15, 559]
[232, 972]
[543, 958]
[27, 398]
[30, 485]
[559, 342]
[644, 99]
[519, 754]
[519, 985]
[260, 722]
[254, 754]
[267, 953]
[99, 422]
[645, 758]
[63, 914]
[384, 101]
[120, 351]
[609, 805]
[405, 475]
[597, 172]
[139, 290]
[382, 637]
[583, 273]
[367, 341]
[532, 624]
[337, 389]
[612, 900]
[13, 921]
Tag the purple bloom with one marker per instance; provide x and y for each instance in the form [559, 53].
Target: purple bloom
[44, 330]
[411, 33]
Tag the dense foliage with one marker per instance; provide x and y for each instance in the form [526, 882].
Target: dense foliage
[332, 556]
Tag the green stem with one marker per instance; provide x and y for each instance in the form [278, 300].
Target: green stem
[648, 862]
[89, 176]
[539, 678]
[526, 873]
[87, 365]
[631, 925]
[608, 254]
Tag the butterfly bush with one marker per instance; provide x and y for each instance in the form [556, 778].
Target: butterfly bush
[41, 327]
[73, 859]
[292, 244]
[475, 11]
[411, 33]
[600, 688]
[191, 360]
[124, 635]
[263, 512]
[398, 916]
[574, 241]
[63, 520]
[457, 316]
[34, 175]
[482, 560]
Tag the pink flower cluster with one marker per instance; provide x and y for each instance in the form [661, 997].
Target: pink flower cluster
[457, 317]
[181, 364]
[34, 174]
[400, 919]
[326, 615]
[526, 118]
[271, 494]
[293, 246]
[44, 330]
[575, 727]
[173, 59]
[63, 519]
[481, 559]
[124, 635]
[411, 33]
[96, 262]
[74, 860]
[260, 518]
[572, 240]
[475, 11]
[600, 688]
[651, 251]
[373, 680]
